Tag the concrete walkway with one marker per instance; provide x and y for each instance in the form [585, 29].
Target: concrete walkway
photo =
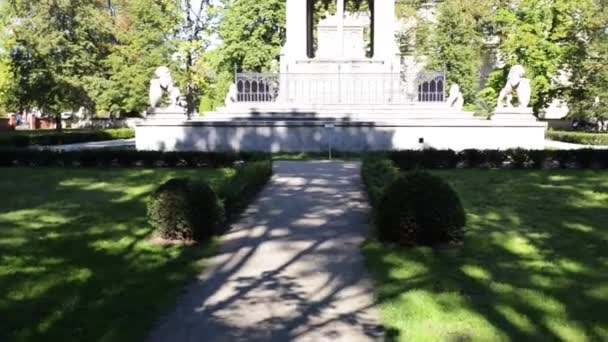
[290, 269]
[560, 145]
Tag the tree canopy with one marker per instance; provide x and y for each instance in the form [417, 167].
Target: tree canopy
[63, 54]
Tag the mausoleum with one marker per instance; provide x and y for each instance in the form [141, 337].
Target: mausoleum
[342, 83]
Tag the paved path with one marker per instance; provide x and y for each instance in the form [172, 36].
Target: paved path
[560, 145]
[94, 145]
[290, 269]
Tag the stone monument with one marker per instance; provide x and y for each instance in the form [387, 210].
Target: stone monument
[353, 41]
[351, 90]
[516, 82]
[455, 98]
[161, 84]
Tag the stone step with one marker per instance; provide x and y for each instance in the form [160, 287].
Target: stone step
[344, 116]
[367, 118]
[334, 108]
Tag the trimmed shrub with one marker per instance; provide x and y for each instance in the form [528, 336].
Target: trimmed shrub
[582, 138]
[377, 172]
[184, 210]
[420, 209]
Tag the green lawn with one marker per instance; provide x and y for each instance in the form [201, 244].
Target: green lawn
[534, 265]
[75, 264]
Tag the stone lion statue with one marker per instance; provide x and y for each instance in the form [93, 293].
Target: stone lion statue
[455, 99]
[516, 82]
[161, 83]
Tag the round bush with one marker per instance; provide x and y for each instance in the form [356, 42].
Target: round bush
[420, 209]
[184, 210]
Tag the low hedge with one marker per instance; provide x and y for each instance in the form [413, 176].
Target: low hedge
[53, 137]
[122, 158]
[181, 209]
[244, 185]
[518, 158]
[582, 138]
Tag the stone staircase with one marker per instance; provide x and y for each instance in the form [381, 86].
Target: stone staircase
[337, 112]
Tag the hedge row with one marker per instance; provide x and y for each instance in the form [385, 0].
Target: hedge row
[519, 159]
[123, 158]
[579, 137]
[242, 187]
[52, 137]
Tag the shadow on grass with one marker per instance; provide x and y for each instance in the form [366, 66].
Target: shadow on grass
[534, 265]
[75, 264]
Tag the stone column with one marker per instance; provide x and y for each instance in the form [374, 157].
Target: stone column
[384, 30]
[340, 16]
[295, 48]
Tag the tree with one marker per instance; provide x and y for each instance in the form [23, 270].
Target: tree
[587, 93]
[54, 46]
[144, 32]
[544, 36]
[455, 43]
[252, 34]
[192, 44]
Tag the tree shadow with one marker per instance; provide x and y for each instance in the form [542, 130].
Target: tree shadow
[76, 264]
[533, 266]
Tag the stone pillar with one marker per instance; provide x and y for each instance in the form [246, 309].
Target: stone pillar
[340, 16]
[295, 48]
[385, 46]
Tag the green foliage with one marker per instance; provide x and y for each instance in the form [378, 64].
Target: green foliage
[184, 210]
[455, 43]
[54, 47]
[252, 34]
[548, 38]
[377, 172]
[28, 138]
[588, 93]
[420, 209]
[142, 31]
[579, 137]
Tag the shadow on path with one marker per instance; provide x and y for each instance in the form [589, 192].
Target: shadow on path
[290, 269]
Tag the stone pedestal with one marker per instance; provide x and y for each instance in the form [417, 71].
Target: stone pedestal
[514, 114]
[166, 114]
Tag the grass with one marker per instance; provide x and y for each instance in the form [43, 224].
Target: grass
[534, 265]
[75, 263]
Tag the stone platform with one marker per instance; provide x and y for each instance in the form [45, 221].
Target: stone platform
[280, 128]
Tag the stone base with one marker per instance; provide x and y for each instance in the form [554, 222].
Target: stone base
[318, 136]
[514, 114]
[166, 114]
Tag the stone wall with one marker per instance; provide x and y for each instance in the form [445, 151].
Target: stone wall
[355, 136]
